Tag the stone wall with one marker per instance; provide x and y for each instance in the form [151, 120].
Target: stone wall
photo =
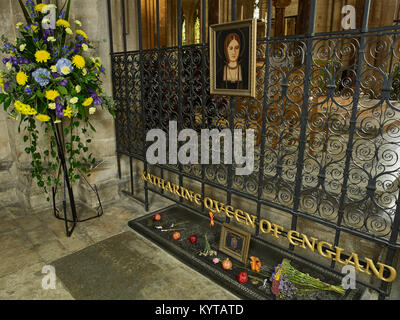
[16, 185]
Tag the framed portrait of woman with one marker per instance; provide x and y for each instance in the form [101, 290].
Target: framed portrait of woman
[233, 58]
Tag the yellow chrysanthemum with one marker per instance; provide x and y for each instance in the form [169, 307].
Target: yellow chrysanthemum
[87, 102]
[24, 109]
[62, 23]
[82, 33]
[78, 61]
[22, 78]
[68, 112]
[43, 117]
[39, 7]
[52, 95]
[42, 56]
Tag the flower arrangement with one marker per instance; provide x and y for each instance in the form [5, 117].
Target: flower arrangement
[288, 282]
[50, 82]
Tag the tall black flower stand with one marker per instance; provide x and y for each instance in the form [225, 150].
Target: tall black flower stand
[70, 222]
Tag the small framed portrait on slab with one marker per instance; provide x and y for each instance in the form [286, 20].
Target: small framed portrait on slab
[234, 242]
[233, 58]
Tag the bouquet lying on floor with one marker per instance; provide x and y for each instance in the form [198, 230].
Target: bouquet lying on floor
[288, 282]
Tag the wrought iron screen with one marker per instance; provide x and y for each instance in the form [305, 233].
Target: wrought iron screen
[326, 117]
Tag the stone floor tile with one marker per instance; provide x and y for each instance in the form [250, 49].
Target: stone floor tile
[7, 226]
[41, 235]
[26, 283]
[50, 251]
[29, 222]
[14, 259]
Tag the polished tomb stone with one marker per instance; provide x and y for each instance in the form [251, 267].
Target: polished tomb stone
[194, 223]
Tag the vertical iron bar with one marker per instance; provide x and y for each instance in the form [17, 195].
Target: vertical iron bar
[180, 117]
[204, 93]
[234, 5]
[66, 182]
[304, 117]
[123, 24]
[395, 226]
[131, 174]
[127, 100]
[160, 107]
[353, 121]
[142, 106]
[231, 107]
[110, 29]
[264, 115]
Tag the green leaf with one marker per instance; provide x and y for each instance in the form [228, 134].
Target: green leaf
[91, 127]
[26, 138]
[40, 94]
[3, 96]
[26, 14]
[7, 103]
[67, 10]
[62, 90]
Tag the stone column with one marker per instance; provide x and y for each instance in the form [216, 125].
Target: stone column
[280, 6]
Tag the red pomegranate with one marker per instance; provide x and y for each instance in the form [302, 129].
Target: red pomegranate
[157, 217]
[192, 239]
[243, 277]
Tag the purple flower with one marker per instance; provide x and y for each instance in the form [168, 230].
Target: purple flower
[14, 61]
[47, 33]
[63, 83]
[6, 86]
[5, 60]
[78, 48]
[55, 75]
[96, 99]
[59, 108]
[80, 37]
[23, 61]
[28, 91]
[62, 14]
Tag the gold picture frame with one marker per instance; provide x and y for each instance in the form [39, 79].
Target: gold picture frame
[234, 242]
[233, 58]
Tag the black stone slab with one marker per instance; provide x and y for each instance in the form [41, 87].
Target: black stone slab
[189, 254]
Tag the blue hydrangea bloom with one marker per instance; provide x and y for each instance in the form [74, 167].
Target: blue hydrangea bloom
[63, 62]
[41, 76]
